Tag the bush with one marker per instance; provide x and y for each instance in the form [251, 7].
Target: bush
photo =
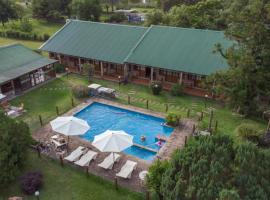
[14, 140]
[26, 26]
[173, 119]
[249, 132]
[156, 87]
[117, 17]
[80, 91]
[31, 182]
[59, 68]
[177, 90]
[46, 36]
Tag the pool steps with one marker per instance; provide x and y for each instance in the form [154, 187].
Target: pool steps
[146, 148]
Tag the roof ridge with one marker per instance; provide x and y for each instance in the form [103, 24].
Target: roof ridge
[69, 22]
[105, 23]
[138, 43]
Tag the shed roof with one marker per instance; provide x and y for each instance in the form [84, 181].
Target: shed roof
[99, 41]
[181, 49]
[17, 60]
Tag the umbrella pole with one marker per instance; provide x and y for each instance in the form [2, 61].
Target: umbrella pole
[113, 159]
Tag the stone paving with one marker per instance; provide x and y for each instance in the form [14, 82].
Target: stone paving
[176, 140]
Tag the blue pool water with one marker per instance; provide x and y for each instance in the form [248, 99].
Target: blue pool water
[102, 117]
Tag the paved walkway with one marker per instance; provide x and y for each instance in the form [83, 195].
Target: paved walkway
[176, 140]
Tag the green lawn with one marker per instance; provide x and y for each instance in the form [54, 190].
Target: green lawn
[28, 43]
[67, 183]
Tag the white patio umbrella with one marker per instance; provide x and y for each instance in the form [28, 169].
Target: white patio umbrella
[113, 141]
[69, 126]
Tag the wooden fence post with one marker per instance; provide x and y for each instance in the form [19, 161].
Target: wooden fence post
[38, 151]
[72, 102]
[147, 196]
[40, 120]
[201, 118]
[211, 119]
[185, 140]
[116, 183]
[147, 104]
[216, 125]
[128, 99]
[193, 128]
[268, 127]
[188, 112]
[61, 160]
[57, 110]
[166, 107]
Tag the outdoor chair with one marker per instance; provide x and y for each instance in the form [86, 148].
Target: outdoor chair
[76, 154]
[127, 169]
[109, 161]
[86, 158]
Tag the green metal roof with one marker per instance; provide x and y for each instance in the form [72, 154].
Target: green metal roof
[181, 49]
[17, 60]
[99, 41]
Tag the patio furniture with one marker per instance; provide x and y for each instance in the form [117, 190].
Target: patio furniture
[109, 161]
[98, 90]
[86, 158]
[58, 141]
[142, 175]
[76, 154]
[127, 169]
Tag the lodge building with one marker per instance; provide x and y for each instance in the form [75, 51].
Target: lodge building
[142, 54]
[22, 69]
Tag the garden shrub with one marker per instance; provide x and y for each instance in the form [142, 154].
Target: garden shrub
[26, 26]
[80, 91]
[249, 132]
[173, 119]
[156, 87]
[14, 140]
[177, 90]
[31, 182]
[59, 68]
[46, 36]
[117, 17]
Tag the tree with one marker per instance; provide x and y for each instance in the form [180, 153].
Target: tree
[89, 70]
[52, 10]
[86, 9]
[7, 11]
[154, 178]
[14, 140]
[213, 167]
[248, 79]
[166, 5]
[206, 14]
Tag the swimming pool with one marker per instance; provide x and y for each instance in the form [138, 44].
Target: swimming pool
[102, 117]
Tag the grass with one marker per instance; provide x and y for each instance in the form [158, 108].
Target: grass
[28, 43]
[67, 183]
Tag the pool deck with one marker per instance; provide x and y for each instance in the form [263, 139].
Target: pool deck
[176, 140]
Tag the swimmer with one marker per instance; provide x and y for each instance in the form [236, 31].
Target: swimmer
[143, 138]
[159, 143]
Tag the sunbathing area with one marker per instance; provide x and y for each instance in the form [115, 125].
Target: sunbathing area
[130, 166]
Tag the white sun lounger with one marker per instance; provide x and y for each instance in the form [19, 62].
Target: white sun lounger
[127, 169]
[86, 158]
[76, 154]
[109, 161]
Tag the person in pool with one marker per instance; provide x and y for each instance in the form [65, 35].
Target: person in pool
[159, 143]
[143, 138]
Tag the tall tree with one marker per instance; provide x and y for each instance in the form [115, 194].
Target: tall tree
[86, 9]
[7, 11]
[14, 140]
[248, 79]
